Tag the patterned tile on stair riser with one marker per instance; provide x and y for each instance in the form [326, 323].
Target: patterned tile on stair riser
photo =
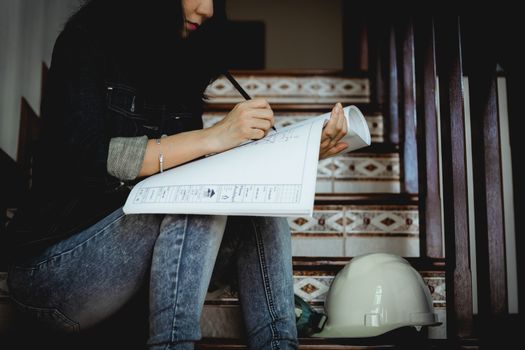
[352, 230]
[291, 89]
[375, 123]
[360, 166]
[359, 173]
[326, 220]
[314, 287]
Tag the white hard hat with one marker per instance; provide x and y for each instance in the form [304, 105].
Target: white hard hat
[376, 293]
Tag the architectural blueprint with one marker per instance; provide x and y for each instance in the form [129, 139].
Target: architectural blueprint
[273, 176]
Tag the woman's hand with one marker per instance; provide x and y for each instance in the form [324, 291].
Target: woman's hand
[333, 132]
[248, 120]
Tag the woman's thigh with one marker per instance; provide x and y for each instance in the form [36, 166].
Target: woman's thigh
[79, 281]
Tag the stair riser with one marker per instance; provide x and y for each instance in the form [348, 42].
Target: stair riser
[291, 89]
[345, 231]
[226, 322]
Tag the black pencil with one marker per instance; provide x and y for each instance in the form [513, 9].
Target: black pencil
[239, 88]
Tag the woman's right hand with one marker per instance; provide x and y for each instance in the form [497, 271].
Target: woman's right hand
[248, 120]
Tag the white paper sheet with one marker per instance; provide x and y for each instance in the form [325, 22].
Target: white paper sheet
[274, 176]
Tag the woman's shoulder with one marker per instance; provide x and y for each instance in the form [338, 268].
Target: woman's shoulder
[76, 36]
[76, 44]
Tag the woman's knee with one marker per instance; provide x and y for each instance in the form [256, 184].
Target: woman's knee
[204, 223]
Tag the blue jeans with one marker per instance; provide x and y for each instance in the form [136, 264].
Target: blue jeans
[82, 280]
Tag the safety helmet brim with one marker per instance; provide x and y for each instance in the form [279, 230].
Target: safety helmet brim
[360, 331]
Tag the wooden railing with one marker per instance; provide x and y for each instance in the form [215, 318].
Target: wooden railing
[416, 61]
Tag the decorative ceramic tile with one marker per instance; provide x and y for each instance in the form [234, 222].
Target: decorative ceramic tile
[353, 230]
[375, 123]
[291, 89]
[326, 220]
[384, 220]
[312, 289]
[359, 173]
[360, 166]
[436, 284]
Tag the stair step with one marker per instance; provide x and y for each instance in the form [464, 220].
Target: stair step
[406, 339]
[221, 322]
[353, 229]
[222, 317]
[366, 198]
[312, 286]
[290, 88]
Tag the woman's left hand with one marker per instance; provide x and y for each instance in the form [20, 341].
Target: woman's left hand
[333, 132]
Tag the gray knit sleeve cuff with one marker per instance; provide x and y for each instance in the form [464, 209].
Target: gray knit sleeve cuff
[126, 155]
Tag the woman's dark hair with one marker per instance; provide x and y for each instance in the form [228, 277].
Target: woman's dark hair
[145, 37]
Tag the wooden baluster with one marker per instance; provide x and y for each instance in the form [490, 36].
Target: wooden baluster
[504, 29]
[488, 192]
[458, 277]
[430, 225]
[488, 180]
[515, 78]
[391, 112]
[375, 59]
[355, 39]
[407, 107]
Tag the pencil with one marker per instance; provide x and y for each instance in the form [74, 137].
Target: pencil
[239, 88]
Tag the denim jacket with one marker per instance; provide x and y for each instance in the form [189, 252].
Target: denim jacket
[88, 99]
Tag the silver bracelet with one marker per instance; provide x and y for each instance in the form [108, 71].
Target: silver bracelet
[161, 158]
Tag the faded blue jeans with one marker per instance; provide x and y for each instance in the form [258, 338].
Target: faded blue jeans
[86, 278]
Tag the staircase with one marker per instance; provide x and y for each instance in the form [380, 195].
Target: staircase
[401, 195]
[359, 207]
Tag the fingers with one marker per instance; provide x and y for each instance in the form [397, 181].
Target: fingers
[341, 146]
[262, 124]
[256, 103]
[256, 134]
[333, 132]
[336, 128]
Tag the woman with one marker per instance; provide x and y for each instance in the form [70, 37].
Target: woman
[123, 74]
